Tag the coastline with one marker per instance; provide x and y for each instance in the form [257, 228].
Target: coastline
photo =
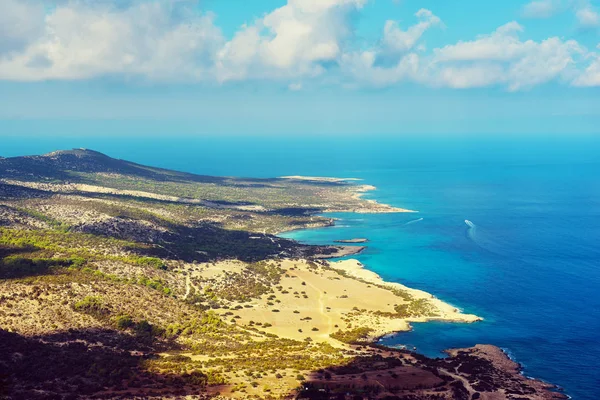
[499, 360]
[439, 310]
[341, 251]
[368, 206]
[356, 192]
[374, 207]
[448, 312]
[327, 301]
[497, 373]
[282, 320]
[502, 360]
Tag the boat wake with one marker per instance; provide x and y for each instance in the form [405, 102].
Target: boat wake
[414, 221]
[472, 232]
[486, 242]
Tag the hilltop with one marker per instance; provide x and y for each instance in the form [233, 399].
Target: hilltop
[119, 280]
[58, 164]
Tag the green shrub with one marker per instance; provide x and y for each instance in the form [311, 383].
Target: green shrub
[124, 322]
[13, 267]
[151, 262]
[155, 284]
[180, 358]
[93, 306]
[416, 308]
[352, 336]
[146, 330]
[78, 262]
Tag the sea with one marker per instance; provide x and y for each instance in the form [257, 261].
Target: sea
[508, 228]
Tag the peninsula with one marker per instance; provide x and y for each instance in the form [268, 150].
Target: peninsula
[357, 240]
[119, 280]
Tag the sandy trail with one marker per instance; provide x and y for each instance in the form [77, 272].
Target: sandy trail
[323, 311]
[465, 381]
[187, 287]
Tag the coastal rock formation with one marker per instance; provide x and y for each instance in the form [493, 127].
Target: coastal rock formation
[481, 372]
[357, 240]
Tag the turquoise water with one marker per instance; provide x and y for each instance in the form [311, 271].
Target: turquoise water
[530, 265]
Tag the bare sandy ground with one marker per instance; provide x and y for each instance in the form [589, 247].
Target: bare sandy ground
[315, 300]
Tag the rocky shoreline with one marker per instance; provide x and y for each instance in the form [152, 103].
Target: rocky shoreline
[341, 251]
[358, 240]
[480, 372]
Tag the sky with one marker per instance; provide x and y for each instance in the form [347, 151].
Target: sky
[299, 67]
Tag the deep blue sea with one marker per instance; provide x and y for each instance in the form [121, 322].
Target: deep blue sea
[529, 265]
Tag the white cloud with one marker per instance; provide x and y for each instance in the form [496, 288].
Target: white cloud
[303, 41]
[502, 44]
[469, 76]
[20, 22]
[588, 17]
[502, 58]
[395, 59]
[81, 40]
[291, 41]
[361, 69]
[397, 41]
[591, 75]
[541, 8]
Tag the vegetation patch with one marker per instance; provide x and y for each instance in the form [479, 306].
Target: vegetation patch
[353, 336]
[52, 222]
[93, 306]
[416, 308]
[15, 266]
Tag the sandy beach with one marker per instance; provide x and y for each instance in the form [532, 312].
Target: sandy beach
[355, 192]
[316, 299]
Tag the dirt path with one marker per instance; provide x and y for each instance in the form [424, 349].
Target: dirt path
[323, 310]
[465, 382]
[188, 287]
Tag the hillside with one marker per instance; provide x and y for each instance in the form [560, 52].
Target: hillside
[119, 280]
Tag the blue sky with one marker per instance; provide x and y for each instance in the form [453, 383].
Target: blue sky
[299, 67]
